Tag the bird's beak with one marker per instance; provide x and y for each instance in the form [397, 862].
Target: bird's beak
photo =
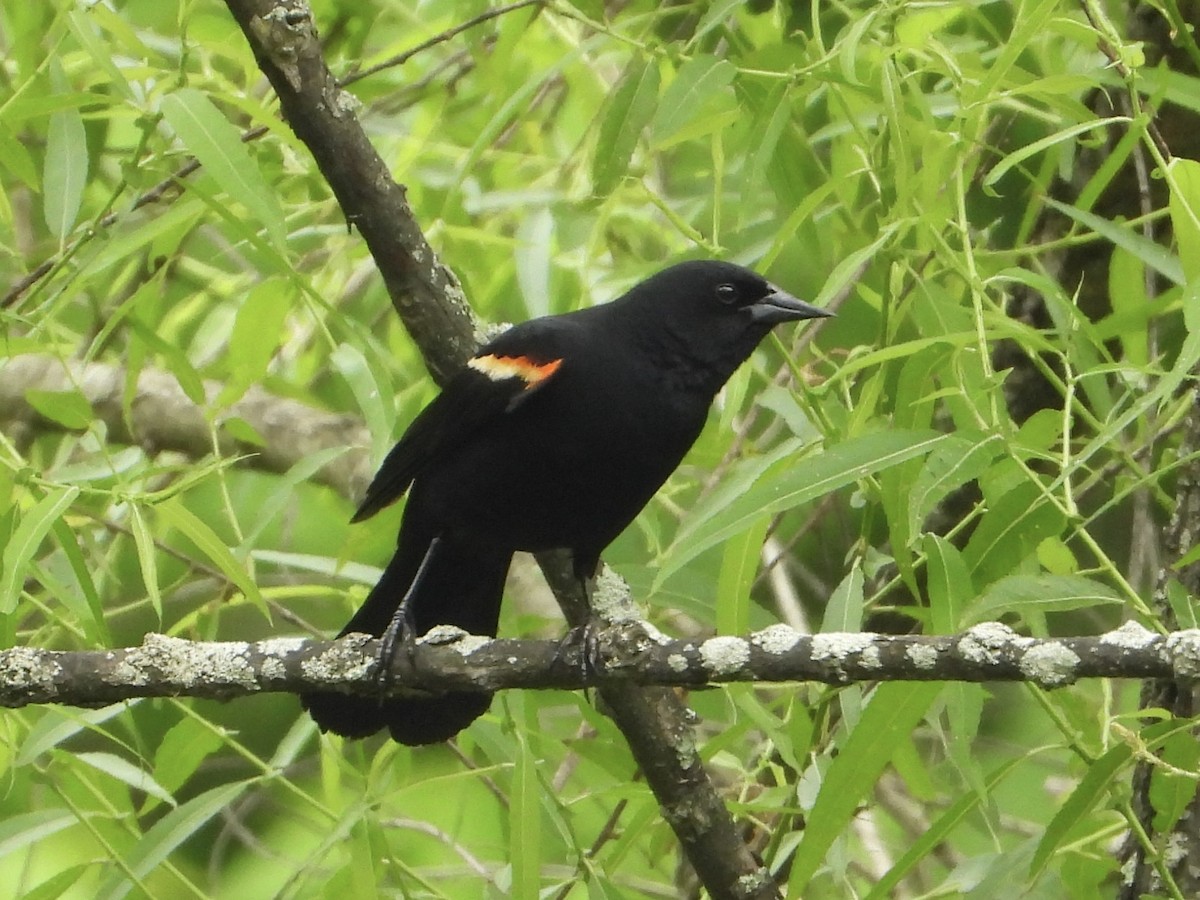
[780, 306]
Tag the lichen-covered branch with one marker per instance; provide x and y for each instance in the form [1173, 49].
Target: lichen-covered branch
[448, 659]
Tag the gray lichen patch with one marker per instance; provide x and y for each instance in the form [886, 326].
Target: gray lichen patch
[751, 885]
[23, 668]
[725, 655]
[1176, 850]
[611, 599]
[344, 660]
[273, 669]
[1050, 665]
[986, 642]
[227, 664]
[346, 103]
[1183, 649]
[1130, 636]
[280, 646]
[776, 639]
[178, 662]
[685, 748]
[129, 672]
[922, 656]
[870, 657]
[678, 662]
[469, 644]
[839, 646]
[441, 635]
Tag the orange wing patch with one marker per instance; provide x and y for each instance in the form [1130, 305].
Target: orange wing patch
[501, 368]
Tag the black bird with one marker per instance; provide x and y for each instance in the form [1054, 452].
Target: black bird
[555, 434]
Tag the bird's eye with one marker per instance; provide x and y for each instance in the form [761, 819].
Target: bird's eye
[727, 293]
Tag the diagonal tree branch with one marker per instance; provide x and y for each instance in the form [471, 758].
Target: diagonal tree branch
[425, 293]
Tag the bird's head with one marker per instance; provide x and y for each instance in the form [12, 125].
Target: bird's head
[713, 312]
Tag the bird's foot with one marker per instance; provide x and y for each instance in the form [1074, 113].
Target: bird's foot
[400, 635]
[581, 647]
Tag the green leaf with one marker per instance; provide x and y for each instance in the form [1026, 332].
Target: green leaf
[1022, 153]
[844, 612]
[622, 121]
[1094, 786]
[88, 35]
[776, 114]
[58, 884]
[242, 431]
[534, 256]
[124, 771]
[58, 724]
[1056, 557]
[27, 540]
[26, 829]
[961, 459]
[739, 567]
[789, 486]
[147, 556]
[697, 82]
[1043, 593]
[284, 491]
[525, 818]
[1171, 793]
[178, 516]
[174, 358]
[1127, 291]
[939, 830]
[65, 171]
[369, 393]
[849, 265]
[1152, 254]
[948, 583]
[16, 157]
[69, 409]
[93, 619]
[713, 17]
[894, 711]
[181, 751]
[157, 843]
[218, 145]
[1010, 531]
[1183, 178]
[257, 333]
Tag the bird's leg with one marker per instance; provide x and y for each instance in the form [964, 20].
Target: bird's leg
[400, 631]
[585, 637]
[591, 662]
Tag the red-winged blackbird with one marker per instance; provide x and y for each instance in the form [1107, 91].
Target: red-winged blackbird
[555, 434]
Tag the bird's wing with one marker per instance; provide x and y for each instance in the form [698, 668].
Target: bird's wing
[504, 374]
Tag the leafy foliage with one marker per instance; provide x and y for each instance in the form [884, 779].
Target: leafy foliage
[925, 166]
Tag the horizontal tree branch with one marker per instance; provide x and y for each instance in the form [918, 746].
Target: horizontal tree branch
[163, 417]
[449, 659]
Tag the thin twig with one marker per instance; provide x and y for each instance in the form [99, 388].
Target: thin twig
[401, 58]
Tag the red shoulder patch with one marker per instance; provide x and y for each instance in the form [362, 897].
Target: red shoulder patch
[502, 368]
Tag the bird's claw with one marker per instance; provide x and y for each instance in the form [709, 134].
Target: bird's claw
[399, 635]
[581, 646]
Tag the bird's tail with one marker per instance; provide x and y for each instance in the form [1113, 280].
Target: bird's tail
[462, 584]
